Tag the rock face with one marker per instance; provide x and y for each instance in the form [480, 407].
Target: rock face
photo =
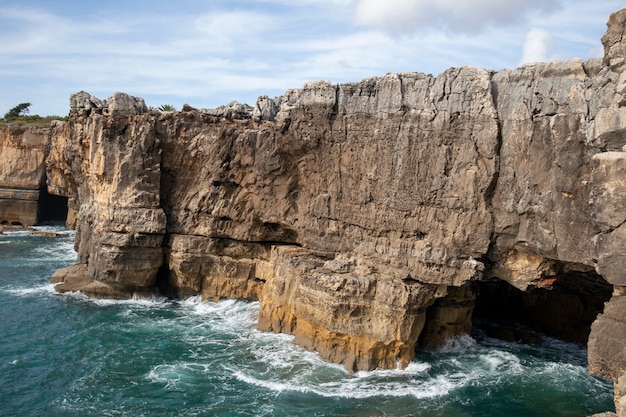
[361, 215]
[115, 177]
[23, 152]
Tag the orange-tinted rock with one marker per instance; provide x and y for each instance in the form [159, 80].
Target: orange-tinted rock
[22, 173]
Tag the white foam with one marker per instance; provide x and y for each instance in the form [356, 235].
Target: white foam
[191, 301]
[559, 372]
[279, 365]
[458, 344]
[176, 374]
[164, 374]
[229, 317]
[21, 232]
[59, 248]
[415, 368]
[276, 351]
[497, 361]
[357, 387]
[222, 308]
[63, 250]
[21, 292]
[148, 302]
[271, 385]
[50, 228]
[61, 232]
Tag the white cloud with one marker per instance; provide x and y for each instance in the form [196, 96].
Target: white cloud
[537, 46]
[405, 16]
[227, 26]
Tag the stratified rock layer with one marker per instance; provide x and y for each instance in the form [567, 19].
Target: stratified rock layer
[115, 177]
[23, 152]
[361, 215]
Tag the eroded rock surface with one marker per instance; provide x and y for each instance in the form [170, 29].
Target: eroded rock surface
[23, 151]
[361, 215]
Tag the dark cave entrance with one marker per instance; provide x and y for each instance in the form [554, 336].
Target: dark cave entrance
[51, 208]
[565, 311]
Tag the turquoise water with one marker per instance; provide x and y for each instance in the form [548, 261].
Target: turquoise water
[65, 355]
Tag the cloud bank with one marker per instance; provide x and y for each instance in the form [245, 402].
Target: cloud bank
[406, 16]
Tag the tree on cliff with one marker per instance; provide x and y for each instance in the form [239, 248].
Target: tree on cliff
[17, 111]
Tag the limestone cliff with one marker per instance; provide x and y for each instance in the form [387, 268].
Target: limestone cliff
[362, 215]
[23, 150]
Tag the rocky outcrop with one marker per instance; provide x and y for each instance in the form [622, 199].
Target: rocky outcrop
[115, 178]
[363, 215]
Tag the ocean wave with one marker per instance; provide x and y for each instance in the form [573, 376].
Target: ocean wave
[62, 250]
[560, 370]
[400, 383]
[276, 386]
[135, 301]
[31, 249]
[16, 233]
[235, 318]
[498, 361]
[172, 376]
[21, 292]
[226, 308]
[278, 365]
[420, 380]
[458, 344]
[569, 377]
[59, 231]
[54, 228]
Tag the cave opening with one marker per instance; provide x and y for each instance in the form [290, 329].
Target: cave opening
[51, 208]
[565, 309]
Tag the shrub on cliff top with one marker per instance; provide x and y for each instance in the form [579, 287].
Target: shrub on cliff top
[19, 114]
[167, 107]
[17, 111]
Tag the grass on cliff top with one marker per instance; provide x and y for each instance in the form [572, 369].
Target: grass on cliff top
[32, 120]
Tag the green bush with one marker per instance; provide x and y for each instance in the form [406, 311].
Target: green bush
[17, 111]
[167, 107]
[19, 115]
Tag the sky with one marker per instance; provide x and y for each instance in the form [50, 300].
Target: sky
[208, 53]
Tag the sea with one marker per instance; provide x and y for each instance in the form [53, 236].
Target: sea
[67, 355]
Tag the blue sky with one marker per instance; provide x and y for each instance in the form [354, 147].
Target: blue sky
[208, 53]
